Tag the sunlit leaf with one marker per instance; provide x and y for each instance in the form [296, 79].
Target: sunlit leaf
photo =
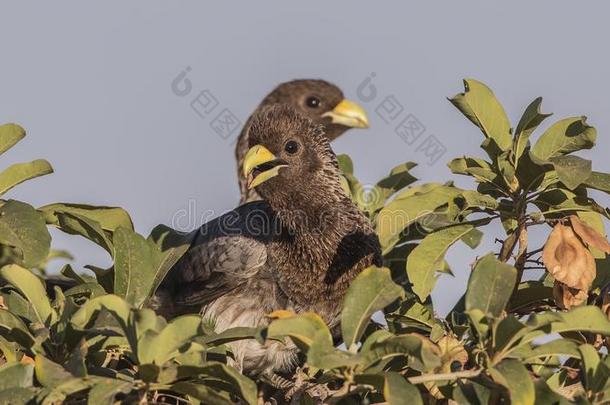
[371, 291]
[563, 137]
[481, 107]
[20, 172]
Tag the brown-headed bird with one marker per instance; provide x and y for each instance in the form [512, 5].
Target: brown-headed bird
[297, 249]
[321, 101]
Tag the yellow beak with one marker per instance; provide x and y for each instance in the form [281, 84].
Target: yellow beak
[349, 114]
[260, 160]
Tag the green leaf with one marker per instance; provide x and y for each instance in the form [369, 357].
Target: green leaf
[563, 137]
[239, 384]
[396, 390]
[370, 292]
[18, 395]
[398, 179]
[14, 375]
[531, 118]
[17, 330]
[481, 107]
[115, 305]
[20, 172]
[49, 373]
[529, 292]
[558, 347]
[422, 262]
[32, 289]
[572, 170]
[408, 207]
[490, 286]
[203, 393]
[582, 319]
[105, 391]
[303, 329]
[480, 169]
[10, 134]
[108, 218]
[514, 376]
[135, 264]
[412, 345]
[595, 372]
[23, 228]
[231, 335]
[599, 181]
[75, 224]
[345, 163]
[159, 347]
[172, 245]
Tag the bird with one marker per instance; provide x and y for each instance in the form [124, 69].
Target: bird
[296, 249]
[321, 101]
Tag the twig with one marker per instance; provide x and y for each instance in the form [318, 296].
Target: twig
[424, 378]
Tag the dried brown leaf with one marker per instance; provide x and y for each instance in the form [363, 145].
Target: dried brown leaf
[566, 297]
[567, 259]
[589, 235]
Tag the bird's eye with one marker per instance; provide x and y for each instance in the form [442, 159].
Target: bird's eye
[312, 102]
[291, 147]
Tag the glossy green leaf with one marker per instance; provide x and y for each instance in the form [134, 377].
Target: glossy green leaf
[20, 172]
[371, 291]
[490, 285]
[422, 263]
[32, 289]
[481, 107]
[23, 228]
[563, 137]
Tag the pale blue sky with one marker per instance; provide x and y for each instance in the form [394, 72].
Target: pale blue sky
[92, 85]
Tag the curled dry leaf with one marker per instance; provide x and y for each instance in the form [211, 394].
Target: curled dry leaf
[452, 353]
[566, 297]
[589, 235]
[567, 259]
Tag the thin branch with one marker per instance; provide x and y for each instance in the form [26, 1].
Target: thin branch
[424, 378]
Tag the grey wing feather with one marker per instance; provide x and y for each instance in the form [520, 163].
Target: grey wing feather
[214, 267]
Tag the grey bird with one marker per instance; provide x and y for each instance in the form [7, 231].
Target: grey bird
[321, 101]
[297, 249]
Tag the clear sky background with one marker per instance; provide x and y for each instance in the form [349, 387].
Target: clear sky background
[92, 84]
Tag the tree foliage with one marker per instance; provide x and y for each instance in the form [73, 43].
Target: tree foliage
[531, 327]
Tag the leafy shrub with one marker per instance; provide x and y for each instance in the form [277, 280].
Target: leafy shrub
[532, 326]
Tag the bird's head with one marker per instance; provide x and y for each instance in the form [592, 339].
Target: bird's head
[289, 158]
[322, 102]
